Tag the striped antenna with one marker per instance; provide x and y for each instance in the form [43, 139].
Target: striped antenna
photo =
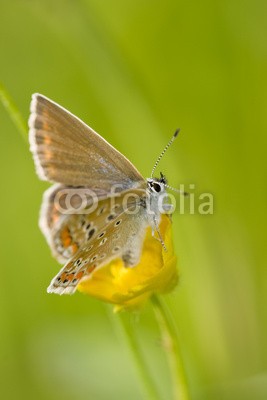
[164, 151]
[177, 190]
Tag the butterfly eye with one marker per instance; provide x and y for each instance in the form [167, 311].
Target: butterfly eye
[157, 187]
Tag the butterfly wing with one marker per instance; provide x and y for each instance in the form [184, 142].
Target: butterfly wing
[115, 233]
[69, 152]
[63, 231]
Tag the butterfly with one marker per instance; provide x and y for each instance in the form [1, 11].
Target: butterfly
[99, 206]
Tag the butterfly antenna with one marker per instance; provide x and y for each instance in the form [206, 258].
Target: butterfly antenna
[177, 190]
[164, 151]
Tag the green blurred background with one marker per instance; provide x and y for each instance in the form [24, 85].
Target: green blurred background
[135, 71]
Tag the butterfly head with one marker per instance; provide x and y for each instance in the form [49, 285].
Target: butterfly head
[157, 185]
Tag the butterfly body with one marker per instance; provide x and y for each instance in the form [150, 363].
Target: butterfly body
[100, 206]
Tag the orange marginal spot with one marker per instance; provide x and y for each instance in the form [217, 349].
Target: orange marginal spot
[74, 247]
[65, 237]
[46, 127]
[63, 276]
[70, 277]
[67, 242]
[48, 155]
[79, 275]
[65, 233]
[47, 139]
[46, 124]
[91, 268]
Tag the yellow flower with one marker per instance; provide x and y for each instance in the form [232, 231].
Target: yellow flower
[130, 287]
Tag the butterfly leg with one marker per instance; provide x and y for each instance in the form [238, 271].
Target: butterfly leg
[159, 234]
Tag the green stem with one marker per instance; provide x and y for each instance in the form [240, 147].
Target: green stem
[171, 345]
[149, 389]
[13, 112]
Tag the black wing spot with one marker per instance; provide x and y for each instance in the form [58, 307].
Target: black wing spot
[116, 249]
[111, 217]
[90, 234]
[101, 210]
